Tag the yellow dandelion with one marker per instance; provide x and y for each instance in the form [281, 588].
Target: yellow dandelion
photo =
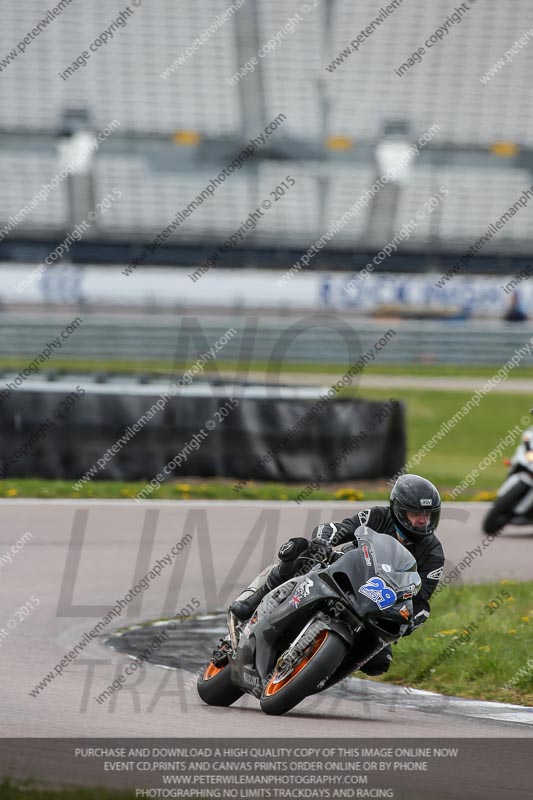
[507, 581]
[510, 600]
[524, 619]
[484, 495]
[484, 647]
[512, 631]
[12, 493]
[183, 487]
[348, 493]
[448, 633]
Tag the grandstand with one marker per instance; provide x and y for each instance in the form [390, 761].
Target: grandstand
[445, 87]
[181, 122]
[126, 69]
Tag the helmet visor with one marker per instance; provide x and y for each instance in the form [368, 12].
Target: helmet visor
[419, 521]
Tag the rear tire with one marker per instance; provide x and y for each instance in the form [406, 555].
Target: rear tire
[215, 687]
[503, 509]
[320, 660]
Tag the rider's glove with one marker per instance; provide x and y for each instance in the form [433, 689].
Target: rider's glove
[320, 549]
[293, 548]
[289, 554]
[416, 620]
[419, 616]
[327, 532]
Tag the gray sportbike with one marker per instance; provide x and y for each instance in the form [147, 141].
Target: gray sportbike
[317, 628]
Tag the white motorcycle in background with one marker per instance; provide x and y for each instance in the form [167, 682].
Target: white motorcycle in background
[514, 503]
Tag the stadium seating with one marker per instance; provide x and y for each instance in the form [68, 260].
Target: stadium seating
[123, 78]
[299, 216]
[22, 176]
[292, 70]
[123, 81]
[476, 198]
[151, 198]
[445, 88]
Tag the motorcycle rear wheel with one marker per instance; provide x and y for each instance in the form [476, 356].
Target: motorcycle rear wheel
[318, 661]
[215, 687]
[503, 509]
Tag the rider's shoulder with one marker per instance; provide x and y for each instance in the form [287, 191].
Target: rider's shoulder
[372, 516]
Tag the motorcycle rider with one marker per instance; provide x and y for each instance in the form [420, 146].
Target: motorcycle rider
[412, 517]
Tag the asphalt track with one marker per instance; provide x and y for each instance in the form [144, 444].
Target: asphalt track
[84, 555]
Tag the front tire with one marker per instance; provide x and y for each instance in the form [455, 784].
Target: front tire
[503, 509]
[215, 687]
[318, 661]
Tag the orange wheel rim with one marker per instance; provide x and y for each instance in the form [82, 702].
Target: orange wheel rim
[210, 671]
[274, 686]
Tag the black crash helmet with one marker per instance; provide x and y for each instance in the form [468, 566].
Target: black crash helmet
[414, 495]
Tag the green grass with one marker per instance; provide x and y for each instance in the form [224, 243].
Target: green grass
[179, 489]
[464, 447]
[166, 368]
[30, 790]
[420, 370]
[487, 660]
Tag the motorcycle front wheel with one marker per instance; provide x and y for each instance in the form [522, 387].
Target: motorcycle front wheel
[285, 689]
[215, 687]
[503, 509]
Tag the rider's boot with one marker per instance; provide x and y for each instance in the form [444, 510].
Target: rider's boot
[246, 603]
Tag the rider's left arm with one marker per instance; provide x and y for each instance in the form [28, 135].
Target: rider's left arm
[430, 574]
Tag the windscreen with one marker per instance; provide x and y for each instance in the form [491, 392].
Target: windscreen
[392, 561]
